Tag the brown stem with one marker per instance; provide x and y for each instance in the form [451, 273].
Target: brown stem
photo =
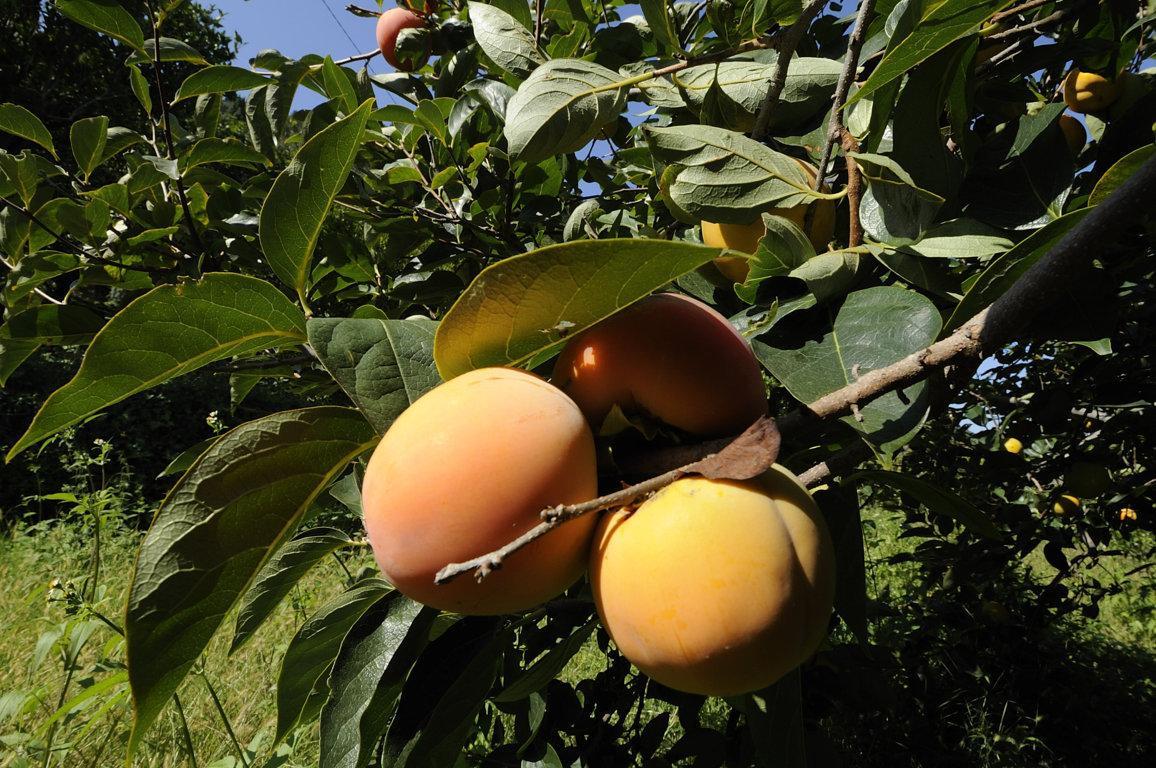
[838, 463]
[787, 43]
[836, 128]
[854, 191]
[359, 57]
[1030, 5]
[1032, 26]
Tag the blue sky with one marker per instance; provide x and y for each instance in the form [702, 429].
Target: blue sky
[297, 27]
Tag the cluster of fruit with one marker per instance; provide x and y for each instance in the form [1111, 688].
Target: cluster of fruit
[710, 587]
[1083, 479]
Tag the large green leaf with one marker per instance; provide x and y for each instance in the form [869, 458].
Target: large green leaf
[213, 150]
[300, 199]
[874, 328]
[302, 683]
[940, 26]
[1120, 172]
[171, 49]
[13, 352]
[940, 501]
[367, 680]
[105, 16]
[220, 523]
[18, 121]
[288, 566]
[88, 137]
[383, 365]
[219, 78]
[503, 38]
[657, 16]
[1003, 271]
[721, 175]
[561, 107]
[522, 306]
[168, 332]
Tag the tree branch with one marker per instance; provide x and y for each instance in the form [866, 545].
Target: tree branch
[359, 57]
[788, 41]
[836, 128]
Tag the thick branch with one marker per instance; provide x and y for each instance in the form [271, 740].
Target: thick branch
[786, 47]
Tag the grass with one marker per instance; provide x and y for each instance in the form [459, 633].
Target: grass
[38, 628]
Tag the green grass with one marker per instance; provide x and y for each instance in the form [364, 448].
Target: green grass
[32, 674]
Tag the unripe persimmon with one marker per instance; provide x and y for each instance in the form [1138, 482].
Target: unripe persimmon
[669, 356]
[389, 26]
[1074, 133]
[1089, 92]
[467, 468]
[745, 237]
[716, 587]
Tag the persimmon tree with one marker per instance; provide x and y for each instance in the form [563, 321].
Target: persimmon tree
[549, 166]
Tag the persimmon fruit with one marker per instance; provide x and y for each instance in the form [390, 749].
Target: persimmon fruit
[745, 237]
[389, 26]
[466, 469]
[1089, 92]
[669, 356]
[716, 587]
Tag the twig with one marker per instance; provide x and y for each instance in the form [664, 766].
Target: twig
[1030, 5]
[538, 23]
[838, 463]
[836, 127]
[1033, 26]
[40, 293]
[359, 57]
[366, 13]
[181, 193]
[854, 191]
[788, 41]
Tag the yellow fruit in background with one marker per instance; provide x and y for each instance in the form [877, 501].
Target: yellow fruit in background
[469, 467]
[1066, 505]
[745, 237]
[716, 587]
[1089, 92]
[1127, 513]
[1074, 133]
[1012, 445]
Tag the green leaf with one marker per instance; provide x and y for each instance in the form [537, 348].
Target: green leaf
[960, 239]
[219, 78]
[874, 328]
[1003, 271]
[545, 669]
[561, 107]
[288, 566]
[171, 49]
[168, 332]
[13, 352]
[1119, 173]
[305, 667]
[187, 458]
[657, 15]
[338, 85]
[18, 121]
[118, 140]
[807, 90]
[224, 151]
[504, 39]
[367, 680]
[782, 249]
[939, 501]
[383, 365]
[52, 324]
[140, 88]
[1031, 127]
[774, 719]
[88, 137]
[300, 199]
[106, 16]
[224, 518]
[724, 176]
[939, 27]
[840, 507]
[828, 275]
[518, 308]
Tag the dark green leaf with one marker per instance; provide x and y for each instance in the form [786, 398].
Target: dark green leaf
[367, 680]
[168, 332]
[940, 26]
[774, 719]
[383, 365]
[520, 307]
[1029, 127]
[13, 352]
[657, 15]
[874, 328]
[840, 507]
[52, 324]
[18, 121]
[300, 199]
[105, 16]
[225, 517]
[302, 684]
[545, 669]
[1119, 173]
[288, 566]
[171, 49]
[504, 39]
[224, 151]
